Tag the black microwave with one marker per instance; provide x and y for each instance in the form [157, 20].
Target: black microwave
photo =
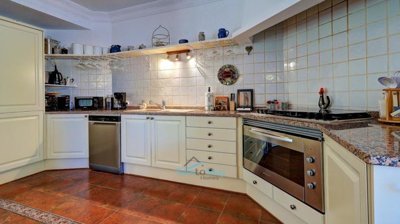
[89, 103]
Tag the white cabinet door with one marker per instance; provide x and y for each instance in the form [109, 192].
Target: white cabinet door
[135, 139]
[345, 185]
[168, 146]
[21, 139]
[21, 63]
[67, 136]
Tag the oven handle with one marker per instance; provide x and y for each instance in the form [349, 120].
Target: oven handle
[270, 135]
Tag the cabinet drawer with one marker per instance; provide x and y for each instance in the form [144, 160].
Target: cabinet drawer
[298, 208]
[212, 157]
[258, 183]
[212, 122]
[211, 145]
[212, 169]
[209, 133]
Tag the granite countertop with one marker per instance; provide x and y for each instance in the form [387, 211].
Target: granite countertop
[368, 140]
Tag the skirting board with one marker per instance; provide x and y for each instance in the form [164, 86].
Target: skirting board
[223, 183]
[21, 172]
[57, 164]
[274, 208]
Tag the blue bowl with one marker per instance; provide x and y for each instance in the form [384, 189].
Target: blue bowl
[183, 41]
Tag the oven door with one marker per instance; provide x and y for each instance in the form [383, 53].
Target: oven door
[276, 157]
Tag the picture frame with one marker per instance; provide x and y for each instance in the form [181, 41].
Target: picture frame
[245, 99]
[221, 103]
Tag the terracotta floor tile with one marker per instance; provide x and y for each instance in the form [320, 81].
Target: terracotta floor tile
[7, 217]
[160, 189]
[82, 211]
[13, 189]
[211, 199]
[193, 215]
[268, 218]
[38, 179]
[242, 206]
[40, 200]
[107, 196]
[231, 219]
[122, 218]
[168, 210]
[125, 182]
[143, 204]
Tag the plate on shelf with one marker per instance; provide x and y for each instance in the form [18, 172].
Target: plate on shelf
[228, 75]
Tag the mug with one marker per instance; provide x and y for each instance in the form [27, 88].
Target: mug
[97, 50]
[115, 48]
[222, 33]
[87, 49]
[77, 48]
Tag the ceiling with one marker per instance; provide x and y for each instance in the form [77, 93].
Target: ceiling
[27, 15]
[111, 5]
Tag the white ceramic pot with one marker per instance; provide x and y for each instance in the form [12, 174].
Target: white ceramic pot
[87, 49]
[106, 50]
[97, 50]
[77, 48]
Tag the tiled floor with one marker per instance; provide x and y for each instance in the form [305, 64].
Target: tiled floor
[94, 197]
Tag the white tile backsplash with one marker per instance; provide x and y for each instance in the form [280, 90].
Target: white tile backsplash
[342, 45]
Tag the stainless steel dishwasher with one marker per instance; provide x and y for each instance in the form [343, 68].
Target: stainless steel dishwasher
[104, 143]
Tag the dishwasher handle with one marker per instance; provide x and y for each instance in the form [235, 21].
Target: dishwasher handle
[103, 123]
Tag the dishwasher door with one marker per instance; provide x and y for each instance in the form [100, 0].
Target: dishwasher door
[104, 146]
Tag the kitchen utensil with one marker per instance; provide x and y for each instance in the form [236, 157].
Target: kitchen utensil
[142, 46]
[202, 36]
[87, 49]
[323, 105]
[55, 77]
[115, 48]
[77, 48]
[387, 82]
[222, 33]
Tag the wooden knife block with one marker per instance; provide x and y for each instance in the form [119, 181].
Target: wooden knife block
[389, 105]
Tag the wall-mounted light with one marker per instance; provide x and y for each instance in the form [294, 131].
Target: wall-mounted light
[176, 55]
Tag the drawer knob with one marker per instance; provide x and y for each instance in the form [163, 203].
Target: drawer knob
[311, 186]
[310, 159]
[209, 134]
[152, 118]
[209, 122]
[254, 182]
[147, 118]
[210, 157]
[209, 146]
[293, 207]
[311, 173]
[211, 169]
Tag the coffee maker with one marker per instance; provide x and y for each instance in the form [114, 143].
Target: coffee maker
[119, 102]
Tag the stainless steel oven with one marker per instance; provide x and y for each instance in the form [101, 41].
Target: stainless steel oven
[286, 156]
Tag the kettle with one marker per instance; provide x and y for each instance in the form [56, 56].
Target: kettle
[55, 77]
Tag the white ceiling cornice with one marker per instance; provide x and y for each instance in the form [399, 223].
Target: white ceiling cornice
[154, 8]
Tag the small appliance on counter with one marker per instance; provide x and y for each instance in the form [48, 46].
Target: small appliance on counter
[89, 103]
[119, 102]
[57, 103]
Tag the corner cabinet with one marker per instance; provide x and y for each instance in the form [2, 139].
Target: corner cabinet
[67, 136]
[346, 186]
[157, 141]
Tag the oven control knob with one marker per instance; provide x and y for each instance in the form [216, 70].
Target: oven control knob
[254, 182]
[310, 159]
[311, 173]
[311, 185]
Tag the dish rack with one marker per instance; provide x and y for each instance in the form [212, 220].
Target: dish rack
[392, 96]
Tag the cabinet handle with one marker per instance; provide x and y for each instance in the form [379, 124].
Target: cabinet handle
[211, 169]
[210, 157]
[152, 118]
[209, 122]
[147, 118]
[209, 146]
[254, 182]
[293, 207]
[86, 115]
[209, 134]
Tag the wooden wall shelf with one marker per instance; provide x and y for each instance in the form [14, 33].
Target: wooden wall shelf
[151, 51]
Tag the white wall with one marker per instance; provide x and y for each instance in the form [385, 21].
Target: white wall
[182, 24]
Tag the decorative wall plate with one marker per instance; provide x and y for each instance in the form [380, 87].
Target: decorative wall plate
[228, 75]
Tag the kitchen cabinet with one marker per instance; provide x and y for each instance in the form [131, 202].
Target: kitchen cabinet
[21, 63]
[211, 146]
[157, 141]
[345, 176]
[21, 139]
[67, 136]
